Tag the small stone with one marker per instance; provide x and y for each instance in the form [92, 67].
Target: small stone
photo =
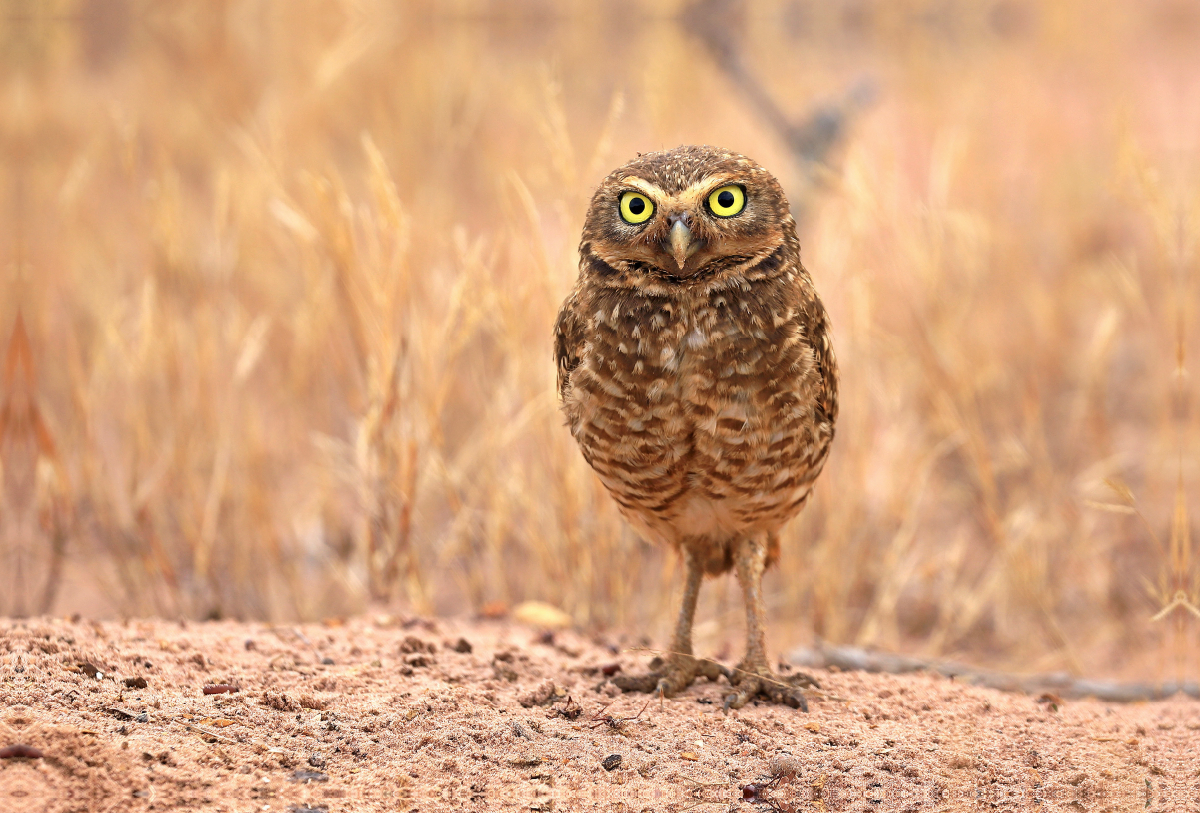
[542, 615]
[309, 776]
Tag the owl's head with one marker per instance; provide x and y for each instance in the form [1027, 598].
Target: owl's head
[686, 214]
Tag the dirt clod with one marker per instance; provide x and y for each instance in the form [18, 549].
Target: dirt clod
[501, 666]
[90, 669]
[279, 702]
[307, 701]
[542, 694]
[413, 644]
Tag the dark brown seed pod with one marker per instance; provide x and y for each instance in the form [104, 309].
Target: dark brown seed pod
[21, 752]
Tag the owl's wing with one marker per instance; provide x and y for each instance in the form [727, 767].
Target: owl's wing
[818, 329]
[568, 342]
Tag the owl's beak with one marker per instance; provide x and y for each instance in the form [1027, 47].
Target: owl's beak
[681, 243]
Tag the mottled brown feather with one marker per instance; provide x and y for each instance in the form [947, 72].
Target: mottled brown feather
[704, 397]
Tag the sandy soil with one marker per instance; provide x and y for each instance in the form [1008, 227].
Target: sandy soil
[386, 714]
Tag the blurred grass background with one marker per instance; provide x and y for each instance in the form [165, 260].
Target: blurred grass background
[287, 273]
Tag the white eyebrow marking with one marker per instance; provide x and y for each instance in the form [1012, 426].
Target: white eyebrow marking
[650, 189]
[688, 198]
[702, 187]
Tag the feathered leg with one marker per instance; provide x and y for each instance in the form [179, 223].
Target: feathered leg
[753, 676]
[677, 671]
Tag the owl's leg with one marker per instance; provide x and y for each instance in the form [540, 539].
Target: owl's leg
[677, 671]
[753, 676]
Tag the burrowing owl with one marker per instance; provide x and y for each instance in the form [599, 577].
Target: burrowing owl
[696, 373]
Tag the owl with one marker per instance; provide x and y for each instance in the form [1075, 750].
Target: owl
[696, 374]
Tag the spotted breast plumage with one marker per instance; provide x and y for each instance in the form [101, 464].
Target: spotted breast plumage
[697, 376]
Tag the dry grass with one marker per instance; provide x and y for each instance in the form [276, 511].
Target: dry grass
[288, 272]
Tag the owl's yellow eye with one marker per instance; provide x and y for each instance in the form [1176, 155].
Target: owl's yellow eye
[636, 207]
[727, 201]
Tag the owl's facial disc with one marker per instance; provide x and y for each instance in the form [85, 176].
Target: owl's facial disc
[683, 216]
[682, 230]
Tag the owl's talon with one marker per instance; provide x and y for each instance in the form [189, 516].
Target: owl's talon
[802, 680]
[636, 683]
[758, 681]
[712, 670]
[674, 674]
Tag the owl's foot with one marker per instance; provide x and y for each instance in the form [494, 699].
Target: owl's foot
[757, 680]
[672, 675]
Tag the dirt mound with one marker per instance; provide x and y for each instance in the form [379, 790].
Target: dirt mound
[425, 715]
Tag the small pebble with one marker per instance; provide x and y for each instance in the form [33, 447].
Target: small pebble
[309, 776]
